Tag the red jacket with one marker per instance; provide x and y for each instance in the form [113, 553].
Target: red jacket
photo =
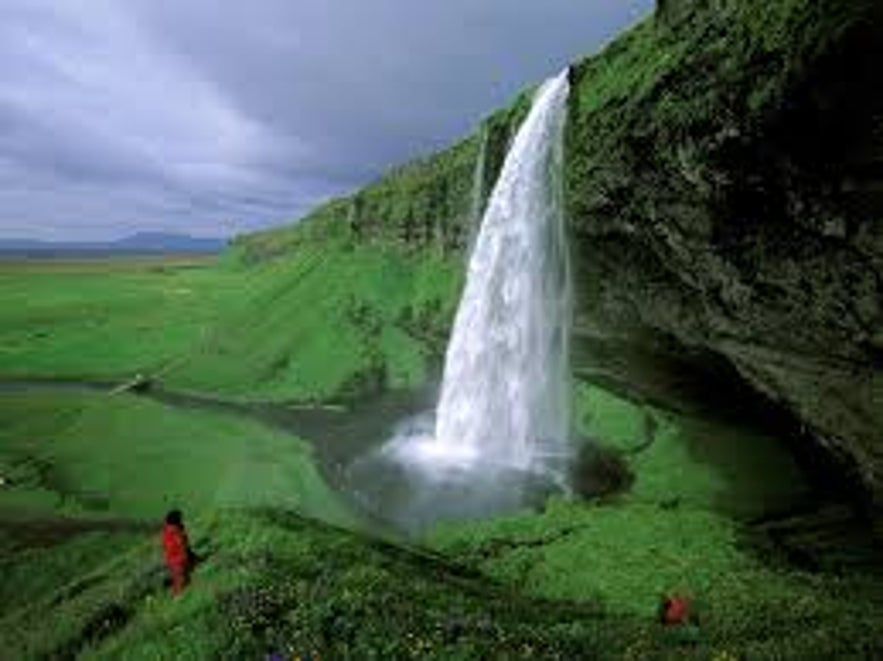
[175, 546]
[675, 610]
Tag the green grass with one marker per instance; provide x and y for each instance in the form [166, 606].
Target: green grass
[329, 320]
[622, 557]
[275, 582]
[126, 456]
[88, 478]
[731, 468]
[106, 319]
[33, 572]
[682, 526]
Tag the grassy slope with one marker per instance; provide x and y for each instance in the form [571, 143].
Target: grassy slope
[330, 320]
[682, 527]
[123, 456]
[87, 478]
[277, 583]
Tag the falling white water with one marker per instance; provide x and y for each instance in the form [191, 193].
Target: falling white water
[476, 204]
[504, 399]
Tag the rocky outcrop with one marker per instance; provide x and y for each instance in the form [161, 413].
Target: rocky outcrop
[732, 203]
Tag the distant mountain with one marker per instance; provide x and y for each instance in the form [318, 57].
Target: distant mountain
[141, 243]
[165, 242]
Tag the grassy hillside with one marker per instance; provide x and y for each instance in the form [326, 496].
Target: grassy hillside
[86, 480]
[88, 454]
[90, 475]
[749, 598]
[708, 508]
[330, 320]
[277, 583]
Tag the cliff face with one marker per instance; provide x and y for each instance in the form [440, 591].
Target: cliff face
[727, 202]
[724, 181]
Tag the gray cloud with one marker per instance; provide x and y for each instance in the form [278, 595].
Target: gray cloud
[211, 117]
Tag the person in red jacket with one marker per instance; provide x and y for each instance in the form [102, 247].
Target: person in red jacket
[176, 550]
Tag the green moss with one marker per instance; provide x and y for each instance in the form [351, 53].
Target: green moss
[602, 416]
[695, 86]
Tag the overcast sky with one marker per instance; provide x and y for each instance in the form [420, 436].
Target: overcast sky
[216, 117]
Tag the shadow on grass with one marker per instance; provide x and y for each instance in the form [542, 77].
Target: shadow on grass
[46, 531]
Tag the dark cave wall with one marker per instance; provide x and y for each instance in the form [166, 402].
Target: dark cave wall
[738, 211]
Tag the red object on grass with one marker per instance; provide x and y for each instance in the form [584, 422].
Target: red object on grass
[177, 555]
[675, 610]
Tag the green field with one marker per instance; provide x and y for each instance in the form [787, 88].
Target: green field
[88, 476]
[330, 320]
[105, 319]
[78, 454]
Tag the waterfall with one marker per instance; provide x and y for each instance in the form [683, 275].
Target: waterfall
[504, 396]
[503, 410]
[476, 203]
[505, 387]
